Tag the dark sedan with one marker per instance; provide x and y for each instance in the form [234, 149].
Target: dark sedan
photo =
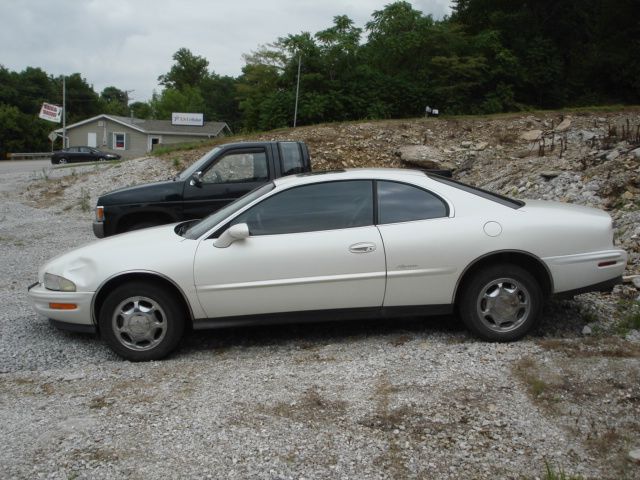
[81, 154]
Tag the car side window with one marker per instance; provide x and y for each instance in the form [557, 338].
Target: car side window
[290, 158]
[316, 207]
[399, 202]
[238, 168]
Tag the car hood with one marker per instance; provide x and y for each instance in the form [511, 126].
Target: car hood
[166, 191]
[156, 249]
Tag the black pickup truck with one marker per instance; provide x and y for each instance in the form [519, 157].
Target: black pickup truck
[225, 173]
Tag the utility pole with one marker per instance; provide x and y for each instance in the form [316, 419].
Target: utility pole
[64, 113]
[295, 112]
[128, 99]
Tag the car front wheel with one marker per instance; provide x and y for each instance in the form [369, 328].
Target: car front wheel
[501, 303]
[141, 321]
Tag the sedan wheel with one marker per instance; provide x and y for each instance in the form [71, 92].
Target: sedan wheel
[141, 321]
[62, 161]
[501, 303]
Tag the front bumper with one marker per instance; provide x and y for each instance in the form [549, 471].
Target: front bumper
[40, 297]
[98, 229]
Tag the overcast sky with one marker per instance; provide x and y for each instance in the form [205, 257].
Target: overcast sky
[128, 43]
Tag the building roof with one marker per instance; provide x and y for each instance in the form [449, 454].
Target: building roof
[164, 127]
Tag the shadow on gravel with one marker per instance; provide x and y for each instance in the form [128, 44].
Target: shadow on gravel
[559, 319]
[335, 332]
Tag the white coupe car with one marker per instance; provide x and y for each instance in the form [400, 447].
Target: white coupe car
[334, 245]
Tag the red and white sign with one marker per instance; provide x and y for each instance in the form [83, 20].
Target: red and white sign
[50, 112]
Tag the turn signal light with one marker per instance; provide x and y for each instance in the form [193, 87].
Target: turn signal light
[607, 263]
[63, 306]
[100, 214]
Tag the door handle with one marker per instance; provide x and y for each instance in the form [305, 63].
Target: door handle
[362, 247]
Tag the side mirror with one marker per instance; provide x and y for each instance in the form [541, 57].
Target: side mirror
[196, 179]
[236, 232]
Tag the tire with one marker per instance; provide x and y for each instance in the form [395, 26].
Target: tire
[102, 159]
[62, 161]
[501, 303]
[141, 321]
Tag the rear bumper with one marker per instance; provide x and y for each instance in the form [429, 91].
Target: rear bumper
[605, 286]
[585, 271]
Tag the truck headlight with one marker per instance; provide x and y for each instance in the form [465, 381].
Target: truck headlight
[58, 283]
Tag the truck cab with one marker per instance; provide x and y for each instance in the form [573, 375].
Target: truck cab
[221, 176]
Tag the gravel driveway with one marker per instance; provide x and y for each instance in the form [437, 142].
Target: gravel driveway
[380, 399]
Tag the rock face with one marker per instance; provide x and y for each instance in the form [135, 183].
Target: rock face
[564, 125]
[422, 156]
[531, 135]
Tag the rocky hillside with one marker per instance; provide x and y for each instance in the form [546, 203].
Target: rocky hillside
[586, 158]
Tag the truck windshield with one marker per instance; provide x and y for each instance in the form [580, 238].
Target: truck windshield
[207, 223]
[197, 165]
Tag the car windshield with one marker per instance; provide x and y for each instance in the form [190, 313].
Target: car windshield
[197, 165]
[207, 223]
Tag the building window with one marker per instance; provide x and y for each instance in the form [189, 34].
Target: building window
[119, 141]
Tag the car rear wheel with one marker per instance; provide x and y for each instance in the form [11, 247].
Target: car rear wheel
[62, 161]
[141, 321]
[501, 303]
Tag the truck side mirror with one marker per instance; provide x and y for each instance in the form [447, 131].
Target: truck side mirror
[236, 232]
[196, 179]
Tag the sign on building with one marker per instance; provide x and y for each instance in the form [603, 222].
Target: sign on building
[50, 112]
[191, 119]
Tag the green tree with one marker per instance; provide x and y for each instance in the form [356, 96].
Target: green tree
[189, 70]
[114, 101]
[188, 99]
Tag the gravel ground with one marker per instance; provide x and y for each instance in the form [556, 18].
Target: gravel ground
[380, 399]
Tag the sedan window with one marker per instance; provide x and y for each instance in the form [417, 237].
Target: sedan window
[316, 207]
[203, 226]
[399, 202]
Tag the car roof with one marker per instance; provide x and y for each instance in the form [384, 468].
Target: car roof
[349, 174]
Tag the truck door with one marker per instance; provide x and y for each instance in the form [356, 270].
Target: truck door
[227, 178]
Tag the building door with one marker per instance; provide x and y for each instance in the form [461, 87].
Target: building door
[153, 141]
[92, 139]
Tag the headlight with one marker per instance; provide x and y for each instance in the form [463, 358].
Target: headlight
[60, 284]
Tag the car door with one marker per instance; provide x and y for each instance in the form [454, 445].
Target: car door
[312, 247]
[227, 178]
[84, 154]
[422, 244]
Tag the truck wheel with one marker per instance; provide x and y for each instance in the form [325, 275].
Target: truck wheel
[141, 321]
[501, 303]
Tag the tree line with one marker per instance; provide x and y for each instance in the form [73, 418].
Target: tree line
[488, 56]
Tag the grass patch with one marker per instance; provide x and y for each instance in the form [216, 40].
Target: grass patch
[551, 473]
[310, 406]
[629, 312]
[85, 198]
[179, 147]
[527, 370]
[611, 347]
[87, 164]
